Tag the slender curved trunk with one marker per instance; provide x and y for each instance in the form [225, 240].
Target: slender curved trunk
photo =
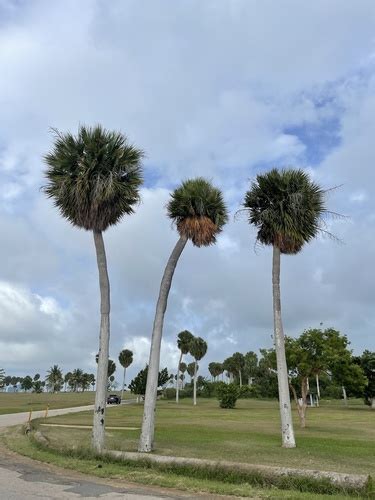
[317, 385]
[98, 430]
[287, 433]
[178, 377]
[240, 375]
[195, 384]
[146, 440]
[123, 383]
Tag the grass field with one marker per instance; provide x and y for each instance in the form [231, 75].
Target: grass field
[337, 438]
[20, 401]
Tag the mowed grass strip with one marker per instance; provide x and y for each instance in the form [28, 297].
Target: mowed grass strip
[337, 438]
[21, 401]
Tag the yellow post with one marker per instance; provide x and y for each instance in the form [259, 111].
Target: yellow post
[46, 413]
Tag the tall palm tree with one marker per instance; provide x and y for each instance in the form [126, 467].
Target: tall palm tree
[183, 368]
[183, 343]
[55, 378]
[198, 349]
[94, 179]
[125, 359]
[191, 367]
[199, 212]
[76, 379]
[287, 208]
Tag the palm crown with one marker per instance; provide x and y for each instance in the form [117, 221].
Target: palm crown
[199, 211]
[93, 177]
[198, 348]
[287, 208]
[125, 358]
[184, 339]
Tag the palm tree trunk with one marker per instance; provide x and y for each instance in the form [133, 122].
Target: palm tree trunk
[123, 384]
[344, 395]
[98, 430]
[287, 433]
[195, 384]
[146, 441]
[240, 374]
[178, 377]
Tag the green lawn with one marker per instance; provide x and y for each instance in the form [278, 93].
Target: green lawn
[337, 438]
[20, 401]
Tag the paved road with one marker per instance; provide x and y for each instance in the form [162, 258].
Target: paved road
[24, 479]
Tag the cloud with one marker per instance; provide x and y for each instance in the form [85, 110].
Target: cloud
[224, 90]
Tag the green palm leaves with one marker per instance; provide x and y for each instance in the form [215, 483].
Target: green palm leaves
[198, 210]
[93, 177]
[286, 207]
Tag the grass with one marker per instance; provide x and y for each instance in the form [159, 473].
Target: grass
[337, 438]
[196, 482]
[23, 402]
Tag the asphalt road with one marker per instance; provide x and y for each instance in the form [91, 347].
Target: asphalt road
[24, 479]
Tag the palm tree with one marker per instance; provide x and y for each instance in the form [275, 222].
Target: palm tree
[191, 369]
[125, 359]
[287, 208]
[76, 379]
[199, 212]
[198, 349]
[239, 363]
[54, 378]
[183, 343]
[94, 179]
[67, 378]
[183, 368]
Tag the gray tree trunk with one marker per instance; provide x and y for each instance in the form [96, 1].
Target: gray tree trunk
[344, 395]
[240, 375]
[195, 384]
[373, 404]
[287, 433]
[317, 385]
[178, 377]
[123, 384]
[98, 430]
[146, 440]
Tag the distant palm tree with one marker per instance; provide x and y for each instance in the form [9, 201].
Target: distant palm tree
[183, 368]
[191, 367]
[183, 342]
[94, 179]
[125, 359]
[287, 208]
[54, 378]
[67, 379]
[76, 379]
[199, 212]
[198, 349]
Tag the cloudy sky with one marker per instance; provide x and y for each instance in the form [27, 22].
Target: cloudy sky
[222, 89]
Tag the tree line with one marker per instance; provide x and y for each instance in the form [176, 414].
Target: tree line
[94, 178]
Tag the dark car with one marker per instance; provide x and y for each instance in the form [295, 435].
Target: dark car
[113, 399]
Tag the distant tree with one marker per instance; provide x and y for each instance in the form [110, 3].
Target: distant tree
[27, 383]
[125, 359]
[36, 377]
[198, 349]
[367, 363]
[111, 368]
[239, 363]
[76, 379]
[230, 366]
[138, 385]
[191, 369]
[183, 343]
[54, 378]
[94, 179]
[183, 368]
[92, 380]
[67, 378]
[38, 386]
[2, 377]
[7, 380]
[198, 210]
[251, 366]
[287, 208]
[212, 369]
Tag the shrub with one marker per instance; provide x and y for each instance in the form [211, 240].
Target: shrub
[169, 393]
[249, 391]
[227, 395]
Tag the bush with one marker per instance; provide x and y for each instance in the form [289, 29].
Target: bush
[249, 391]
[227, 395]
[169, 393]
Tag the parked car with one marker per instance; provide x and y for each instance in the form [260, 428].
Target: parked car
[113, 399]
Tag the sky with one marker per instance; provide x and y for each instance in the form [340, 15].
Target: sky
[225, 90]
